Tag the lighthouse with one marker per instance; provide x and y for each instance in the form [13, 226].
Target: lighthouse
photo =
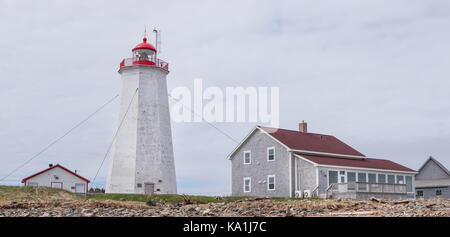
[141, 158]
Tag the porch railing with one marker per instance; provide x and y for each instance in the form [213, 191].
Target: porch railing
[363, 187]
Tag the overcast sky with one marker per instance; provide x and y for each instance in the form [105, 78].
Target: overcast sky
[375, 74]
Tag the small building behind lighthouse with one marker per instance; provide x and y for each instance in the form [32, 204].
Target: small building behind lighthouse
[141, 158]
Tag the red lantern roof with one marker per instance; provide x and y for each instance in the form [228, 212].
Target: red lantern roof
[144, 45]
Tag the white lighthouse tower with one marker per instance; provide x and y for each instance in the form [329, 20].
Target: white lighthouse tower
[141, 158]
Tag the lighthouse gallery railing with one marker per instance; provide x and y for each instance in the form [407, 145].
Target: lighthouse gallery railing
[145, 61]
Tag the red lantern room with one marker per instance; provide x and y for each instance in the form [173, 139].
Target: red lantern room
[144, 54]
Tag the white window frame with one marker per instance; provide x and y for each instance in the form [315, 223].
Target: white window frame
[250, 157]
[385, 178]
[396, 179]
[51, 184]
[357, 177]
[376, 177]
[249, 184]
[271, 148]
[328, 176]
[351, 171]
[274, 182]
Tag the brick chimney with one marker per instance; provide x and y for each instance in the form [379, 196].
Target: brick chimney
[303, 127]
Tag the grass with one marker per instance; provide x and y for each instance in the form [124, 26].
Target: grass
[157, 198]
[19, 193]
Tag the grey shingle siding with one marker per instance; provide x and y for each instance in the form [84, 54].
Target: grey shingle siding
[306, 175]
[260, 168]
[431, 171]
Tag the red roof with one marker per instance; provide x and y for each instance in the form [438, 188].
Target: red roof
[360, 163]
[57, 165]
[311, 141]
[144, 45]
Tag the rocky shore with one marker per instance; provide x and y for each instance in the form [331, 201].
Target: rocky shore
[242, 208]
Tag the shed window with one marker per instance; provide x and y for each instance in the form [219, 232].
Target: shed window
[372, 178]
[332, 177]
[247, 184]
[32, 184]
[409, 185]
[391, 179]
[79, 188]
[438, 192]
[271, 182]
[247, 157]
[270, 153]
[381, 178]
[419, 193]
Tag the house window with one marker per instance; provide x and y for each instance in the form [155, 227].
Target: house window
[362, 177]
[351, 177]
[341, 176]
[332, 177]
[270, 153]
[247, 157]
[372, 178]
[400, 179]
[247, 184]
[381, 178]
[391, 179]
[409, 185]
[271, 182]
[438, 192]
[419, 193]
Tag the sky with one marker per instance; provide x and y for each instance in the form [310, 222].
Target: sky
[375, 74]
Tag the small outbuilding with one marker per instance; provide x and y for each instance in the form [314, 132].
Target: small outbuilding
[57, 176]
[433, 180]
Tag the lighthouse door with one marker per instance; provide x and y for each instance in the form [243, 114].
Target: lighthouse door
[149, 188]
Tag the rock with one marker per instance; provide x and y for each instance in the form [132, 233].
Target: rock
[175, 204]
[206, 212]
[122, 199]
[164, 213]
[45, 214]
[150, 203]
[12, 202]
[190, 209]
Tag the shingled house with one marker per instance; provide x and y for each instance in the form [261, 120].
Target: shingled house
[276, 162]
[433, 180]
